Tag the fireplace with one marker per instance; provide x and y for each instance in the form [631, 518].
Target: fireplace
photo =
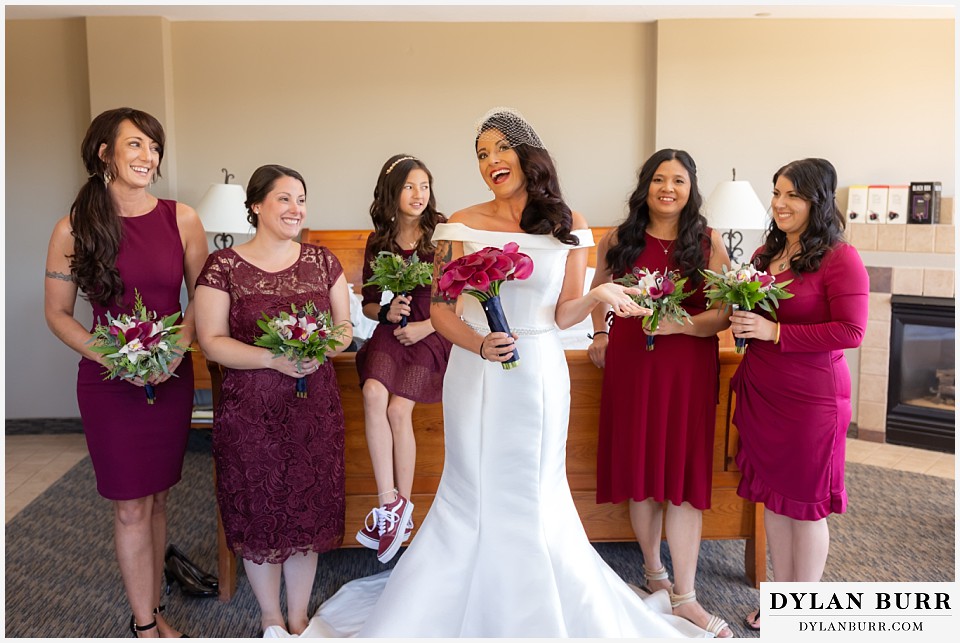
[921, 394]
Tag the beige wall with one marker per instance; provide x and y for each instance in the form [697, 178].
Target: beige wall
[334, 100]
[47, 113]
[875, 97]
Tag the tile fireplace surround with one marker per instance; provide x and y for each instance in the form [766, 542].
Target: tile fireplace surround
[885, 281]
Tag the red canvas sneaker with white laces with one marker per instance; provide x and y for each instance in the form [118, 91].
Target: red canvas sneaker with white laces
[391, 519]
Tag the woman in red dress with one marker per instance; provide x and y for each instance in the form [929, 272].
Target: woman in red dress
[401, 364]
[793, 385]
[279, 457]
[658, 408]
[120, 240]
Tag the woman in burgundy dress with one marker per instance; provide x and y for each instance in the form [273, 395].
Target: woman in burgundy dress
[279, 457]
[117, 240]
[401, 364]
[793, 385]
[658, 408]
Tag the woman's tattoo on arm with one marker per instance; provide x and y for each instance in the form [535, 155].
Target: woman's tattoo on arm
[442, 256]
[52, 274]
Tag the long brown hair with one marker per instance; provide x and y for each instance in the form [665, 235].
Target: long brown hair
[692, 228]
[385, 208]
[93, 215]
[815, 180]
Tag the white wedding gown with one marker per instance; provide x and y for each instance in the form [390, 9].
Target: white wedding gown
[502, 551]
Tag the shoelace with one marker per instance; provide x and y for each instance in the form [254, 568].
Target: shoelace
[374, 515]
[385, 515]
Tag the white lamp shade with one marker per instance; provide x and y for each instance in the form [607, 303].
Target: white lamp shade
[734, 205]
[222, 209]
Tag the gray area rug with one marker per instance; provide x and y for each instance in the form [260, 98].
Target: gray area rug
[62, 579]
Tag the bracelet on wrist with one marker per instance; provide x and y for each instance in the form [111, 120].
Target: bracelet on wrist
[382, 315]
[776, 340]
[481, 350]
[597, 332]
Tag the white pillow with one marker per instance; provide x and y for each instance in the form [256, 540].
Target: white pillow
[362, 327]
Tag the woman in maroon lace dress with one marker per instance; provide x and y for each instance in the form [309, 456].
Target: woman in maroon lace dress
[120, 239]
[793, 385]
[279, 457]
[401, 364]
[658, 408]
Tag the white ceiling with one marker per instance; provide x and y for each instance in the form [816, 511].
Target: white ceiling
[495, 11]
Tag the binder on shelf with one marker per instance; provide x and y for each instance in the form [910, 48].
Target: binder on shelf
[898, 204]
[857, 204]
[877, 203]
[925, 201]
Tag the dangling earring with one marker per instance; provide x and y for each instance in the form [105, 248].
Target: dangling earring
[107, 178]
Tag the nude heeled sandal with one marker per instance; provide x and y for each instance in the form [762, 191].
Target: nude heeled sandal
[655, 574]
[714, 626]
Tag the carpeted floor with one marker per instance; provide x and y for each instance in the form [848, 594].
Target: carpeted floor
[62, 579]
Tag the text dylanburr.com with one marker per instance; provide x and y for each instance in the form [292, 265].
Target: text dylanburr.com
[858, 611]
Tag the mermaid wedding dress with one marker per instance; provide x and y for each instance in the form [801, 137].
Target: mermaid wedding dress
[502, 551]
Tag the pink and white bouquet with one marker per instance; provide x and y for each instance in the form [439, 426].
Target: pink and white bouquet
[745, 288]
[481, 274]
[138, 344]
[301, 334]
[660, 292]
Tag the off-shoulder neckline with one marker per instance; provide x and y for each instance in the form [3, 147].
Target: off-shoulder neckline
[463, 225]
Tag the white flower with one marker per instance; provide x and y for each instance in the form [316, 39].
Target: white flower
[134, 350]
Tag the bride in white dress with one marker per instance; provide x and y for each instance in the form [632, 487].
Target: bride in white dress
[502, 551]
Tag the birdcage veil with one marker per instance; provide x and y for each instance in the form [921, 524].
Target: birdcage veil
[511, 124]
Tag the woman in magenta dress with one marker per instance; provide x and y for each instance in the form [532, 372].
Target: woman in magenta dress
[119, 239]
[793, 385]
[401, 364]
[658, 408]
[279, 457]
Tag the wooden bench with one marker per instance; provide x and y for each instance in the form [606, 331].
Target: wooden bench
[730, 517]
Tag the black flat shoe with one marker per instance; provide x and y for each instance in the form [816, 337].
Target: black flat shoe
[202, 577]
[176, 571]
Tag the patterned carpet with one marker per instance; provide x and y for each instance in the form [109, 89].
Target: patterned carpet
[62, 579]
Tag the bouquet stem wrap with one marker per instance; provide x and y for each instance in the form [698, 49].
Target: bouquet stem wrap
[151, 393]
[403, 318]
[302, 386]
[741, 342]
[497, 322]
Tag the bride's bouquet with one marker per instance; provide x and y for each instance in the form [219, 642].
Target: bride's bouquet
[300, 334]
[398, 275]
[745, 288]
[660, 292]
[481, 274]
[138, 344]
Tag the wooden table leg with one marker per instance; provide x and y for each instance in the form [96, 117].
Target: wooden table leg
[755, 551]
[226, 559]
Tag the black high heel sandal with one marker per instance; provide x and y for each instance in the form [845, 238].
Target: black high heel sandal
[136, 629]
[752, 625]
[159, 609]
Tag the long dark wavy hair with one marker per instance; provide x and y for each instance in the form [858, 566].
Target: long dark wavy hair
[94, 219]
[692, 232]
[385, 209]
[545, 211]
[815, 181]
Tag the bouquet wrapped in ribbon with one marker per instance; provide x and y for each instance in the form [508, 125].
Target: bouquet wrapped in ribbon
[138, 345]
[398, 275]
[661, 293]
[743, 289]
[481, 274]
[300, 334]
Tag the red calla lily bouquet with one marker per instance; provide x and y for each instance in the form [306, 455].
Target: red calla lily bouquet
[481, 274]
[661, 293]
[139, 344]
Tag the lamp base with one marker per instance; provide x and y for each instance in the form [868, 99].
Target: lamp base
[222, 240]
[732, 239]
